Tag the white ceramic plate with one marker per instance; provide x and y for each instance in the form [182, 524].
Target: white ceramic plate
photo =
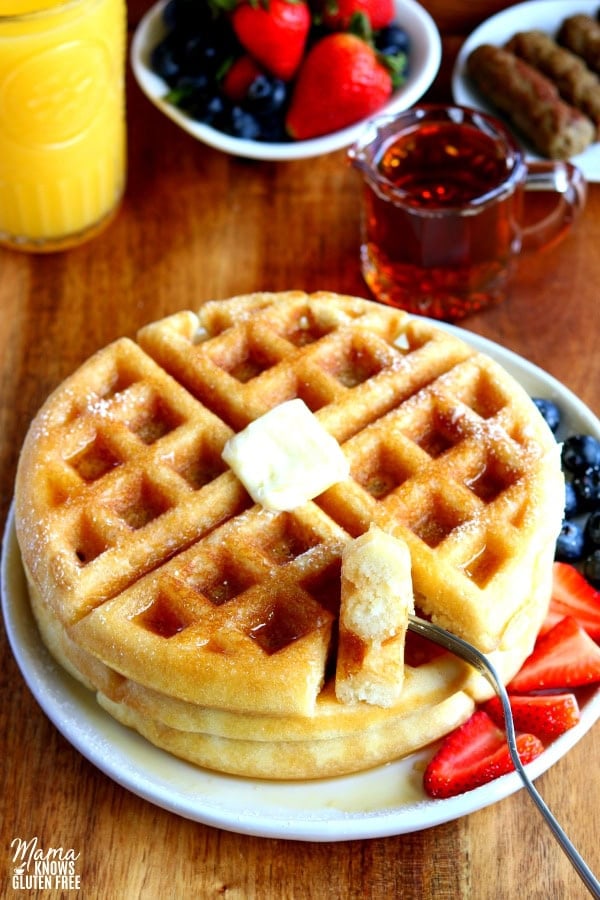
[546, 15]
[385, 801]
[425, 57]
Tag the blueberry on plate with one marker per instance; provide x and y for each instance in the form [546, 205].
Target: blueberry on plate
[570, 543]
[571, 501]
[549, 411]
[587, 487]
[591, 531]
[579, 452]
[591, 568]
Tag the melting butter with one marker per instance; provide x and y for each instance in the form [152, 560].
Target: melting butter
[285, 457]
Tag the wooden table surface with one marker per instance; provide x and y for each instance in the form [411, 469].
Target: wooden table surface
[196, 224]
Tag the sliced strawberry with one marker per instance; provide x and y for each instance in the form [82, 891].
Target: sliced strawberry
[274, 33]
[474, 754]
[573, 596]
[552, 619]
[564, 657]
[238, 78]
[546, 716]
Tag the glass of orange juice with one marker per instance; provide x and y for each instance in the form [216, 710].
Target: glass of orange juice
[62, 120]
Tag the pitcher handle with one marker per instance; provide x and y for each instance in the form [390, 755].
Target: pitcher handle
[568, 183]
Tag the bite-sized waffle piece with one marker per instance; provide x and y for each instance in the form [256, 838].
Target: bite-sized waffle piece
[376, 600]
[160, 584]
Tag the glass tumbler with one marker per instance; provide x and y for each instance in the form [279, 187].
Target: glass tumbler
[62, 120]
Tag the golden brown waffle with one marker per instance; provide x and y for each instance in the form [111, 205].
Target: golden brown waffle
[206, 621]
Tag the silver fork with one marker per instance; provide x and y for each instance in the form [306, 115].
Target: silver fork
[483, 665]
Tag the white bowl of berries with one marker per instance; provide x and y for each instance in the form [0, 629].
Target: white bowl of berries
[283, 79]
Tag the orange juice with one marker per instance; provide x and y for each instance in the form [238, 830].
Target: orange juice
[62, 119]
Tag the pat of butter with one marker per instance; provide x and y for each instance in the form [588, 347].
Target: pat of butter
[286, 457]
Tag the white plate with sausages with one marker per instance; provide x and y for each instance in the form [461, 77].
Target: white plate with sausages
[545, 15]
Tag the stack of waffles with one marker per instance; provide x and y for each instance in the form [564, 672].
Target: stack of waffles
[208, 622]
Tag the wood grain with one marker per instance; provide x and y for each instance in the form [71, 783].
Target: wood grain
[196, 224]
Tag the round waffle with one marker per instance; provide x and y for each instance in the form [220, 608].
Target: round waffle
[208, 623]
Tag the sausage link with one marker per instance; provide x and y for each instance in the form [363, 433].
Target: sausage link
[581, 35]
[576, 83]
[530, 101]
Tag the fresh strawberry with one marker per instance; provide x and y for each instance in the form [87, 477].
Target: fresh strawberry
[573, 596]
[238, 78]
[338, 14]
[564, 657]
[340, 82]
[474, 754]
[274, 32]
[547, 716]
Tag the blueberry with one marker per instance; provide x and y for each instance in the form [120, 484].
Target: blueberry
[187, 15]
[579, 452]
[391, 40]
[591, 530]
[244, 124]
[587, 488]
[393, 44]
[266, 95]
[234, 120]
[201, 85]
[193, 94]
[272, 129]
[571, 501]
[200, 55]
[217, 112]
[550, 412]
[165, 60]
[591, 568]
[570, 543]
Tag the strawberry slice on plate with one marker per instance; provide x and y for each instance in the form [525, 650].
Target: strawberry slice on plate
[547, 716]
[474, 754]
[564, 657]
[573, 595]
